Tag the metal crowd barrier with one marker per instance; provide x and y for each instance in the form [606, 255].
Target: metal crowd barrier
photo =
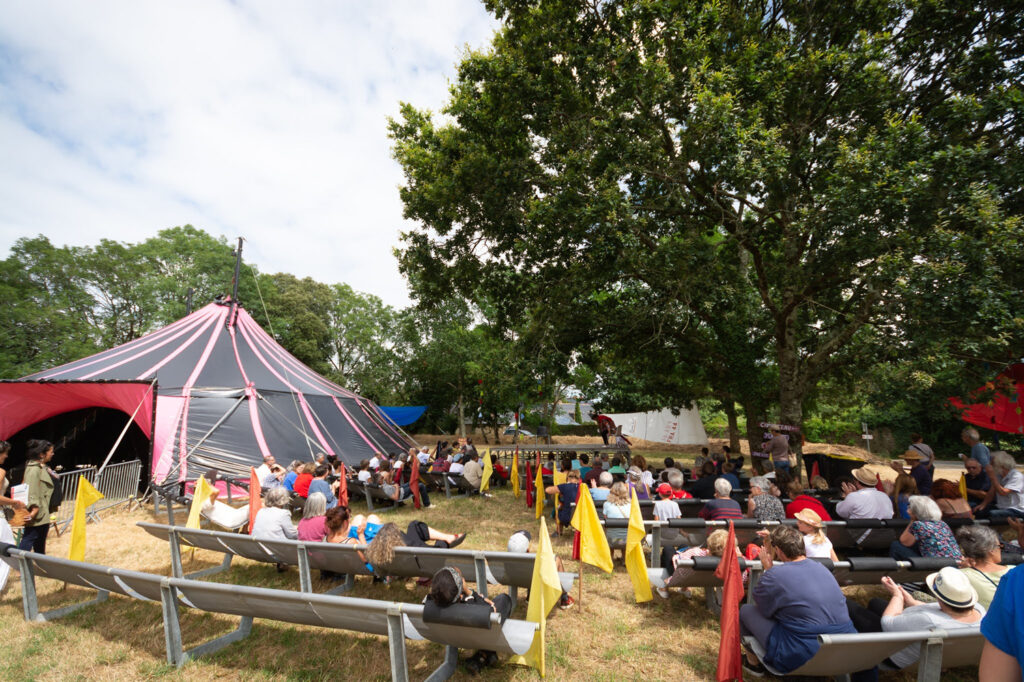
[119, 484]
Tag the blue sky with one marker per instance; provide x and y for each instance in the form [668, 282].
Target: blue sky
[262, 120]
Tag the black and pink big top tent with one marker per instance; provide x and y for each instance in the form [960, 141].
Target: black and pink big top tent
[212, 390]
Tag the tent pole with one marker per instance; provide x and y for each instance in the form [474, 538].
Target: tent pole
[99, 474]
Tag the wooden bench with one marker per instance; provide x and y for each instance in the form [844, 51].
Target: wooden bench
[397, 621]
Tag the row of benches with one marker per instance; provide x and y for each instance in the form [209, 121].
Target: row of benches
[397, 621]
[864, 534]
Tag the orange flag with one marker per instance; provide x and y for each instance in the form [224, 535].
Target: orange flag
[255, 501]
[414, 482]
[730, 657]
[963, 485]
[343, 487]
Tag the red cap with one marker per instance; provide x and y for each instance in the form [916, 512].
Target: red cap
[665, 490]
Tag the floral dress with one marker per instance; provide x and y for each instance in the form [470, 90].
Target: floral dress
[935, 539]
[768, 508]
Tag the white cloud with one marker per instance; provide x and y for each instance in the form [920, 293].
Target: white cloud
[265, 120]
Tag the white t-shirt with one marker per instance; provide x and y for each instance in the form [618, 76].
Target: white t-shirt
[423, 457]
[456, 468]
[866, 503]
[817, 551]
[375, 463]
[1014, 480]
[364, 476]
[666, 509]
[923, 617]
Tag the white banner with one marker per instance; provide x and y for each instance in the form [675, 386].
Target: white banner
[663, 426]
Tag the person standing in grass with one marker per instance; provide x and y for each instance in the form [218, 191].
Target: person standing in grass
[40, 490]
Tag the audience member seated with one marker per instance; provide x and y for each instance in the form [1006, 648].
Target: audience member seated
[675, 479]
[977, 480]
[640, 462]
[779, 480]
[946, 494]
[313, 524]
[472, 471]
[727, 474]
[381, 550]
[293, 473]
[441, 464]
[722, 506]
[1006, 491]
[449, 591]
[617, 470]
[927, 534]
[457, 466]
[982, 562]
[957, 607]
[617, 507]
[224, 515]
[713, 546]
[304, 479]
[599, 491]
[919, 471]
[794, 601]
[1003, 627]
[591, 478]
[567, 493]
[704, 487]
[670, 468]
[761, 504]
[274, 520]
[399, 491]
[499, 474]
[635, 478]
[861, 500]
[320, 485]
[900, 492]
[364, 475]
[816, 544]
[800, 501]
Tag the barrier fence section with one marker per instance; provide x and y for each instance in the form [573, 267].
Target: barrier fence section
[119, 484]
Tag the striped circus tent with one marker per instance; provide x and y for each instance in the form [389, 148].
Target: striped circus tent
[212, 390]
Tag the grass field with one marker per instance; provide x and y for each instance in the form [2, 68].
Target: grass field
[609, 638]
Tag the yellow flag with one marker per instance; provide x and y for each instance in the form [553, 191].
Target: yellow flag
[545, 591]
[963, 485]
[594, 548]
[539, 492]
[199, 497]
[485, 482]
[557, 478]
[635, 563]
[86, 496]
[514, 474]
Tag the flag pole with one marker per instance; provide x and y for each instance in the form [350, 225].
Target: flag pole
[579, 600]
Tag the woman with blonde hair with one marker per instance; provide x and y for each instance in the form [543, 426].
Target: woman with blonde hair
[816, 545]
[381, 551]
[617, 507]
[713, 546]
[902, 489]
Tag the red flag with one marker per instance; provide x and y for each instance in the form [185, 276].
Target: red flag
[255, 501]
[414, 482]
[814, 470]
[343, 488]
[576, 533]
[529, 487]
[878, 484]
[730, 657]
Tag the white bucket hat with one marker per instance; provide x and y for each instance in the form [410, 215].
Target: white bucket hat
[952, 587]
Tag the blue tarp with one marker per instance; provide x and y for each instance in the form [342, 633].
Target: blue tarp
[403, 416]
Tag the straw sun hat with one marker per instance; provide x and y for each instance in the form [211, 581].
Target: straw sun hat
[810, 517]
[866, 476]
[952, 587]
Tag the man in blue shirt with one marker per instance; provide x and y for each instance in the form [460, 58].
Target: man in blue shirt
[979, 450]
[1003, 627]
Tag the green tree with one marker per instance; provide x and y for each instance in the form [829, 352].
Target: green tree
[829, 151]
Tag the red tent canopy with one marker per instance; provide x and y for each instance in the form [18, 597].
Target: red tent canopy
[1003, 406]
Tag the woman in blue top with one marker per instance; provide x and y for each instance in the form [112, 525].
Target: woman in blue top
[567, 494]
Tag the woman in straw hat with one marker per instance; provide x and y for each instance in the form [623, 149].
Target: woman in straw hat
[957, 607]
[816, 545]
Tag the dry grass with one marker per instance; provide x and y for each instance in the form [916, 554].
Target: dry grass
[609, 638]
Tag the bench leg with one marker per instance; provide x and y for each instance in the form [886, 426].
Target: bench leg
[349, 583]
[396, 647]
[172, 539]
[172, 626]
[447, 668]
[513, 594]
[225, 564]
[369, 500]
[656, 547]
[305, 580]
[713, 599]
[30, 600]
[240, 633]
[480, 564]
[929, 668]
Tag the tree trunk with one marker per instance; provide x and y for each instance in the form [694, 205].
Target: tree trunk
[734, 428]
[792, 385]
[755, 433]
[462, 416]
